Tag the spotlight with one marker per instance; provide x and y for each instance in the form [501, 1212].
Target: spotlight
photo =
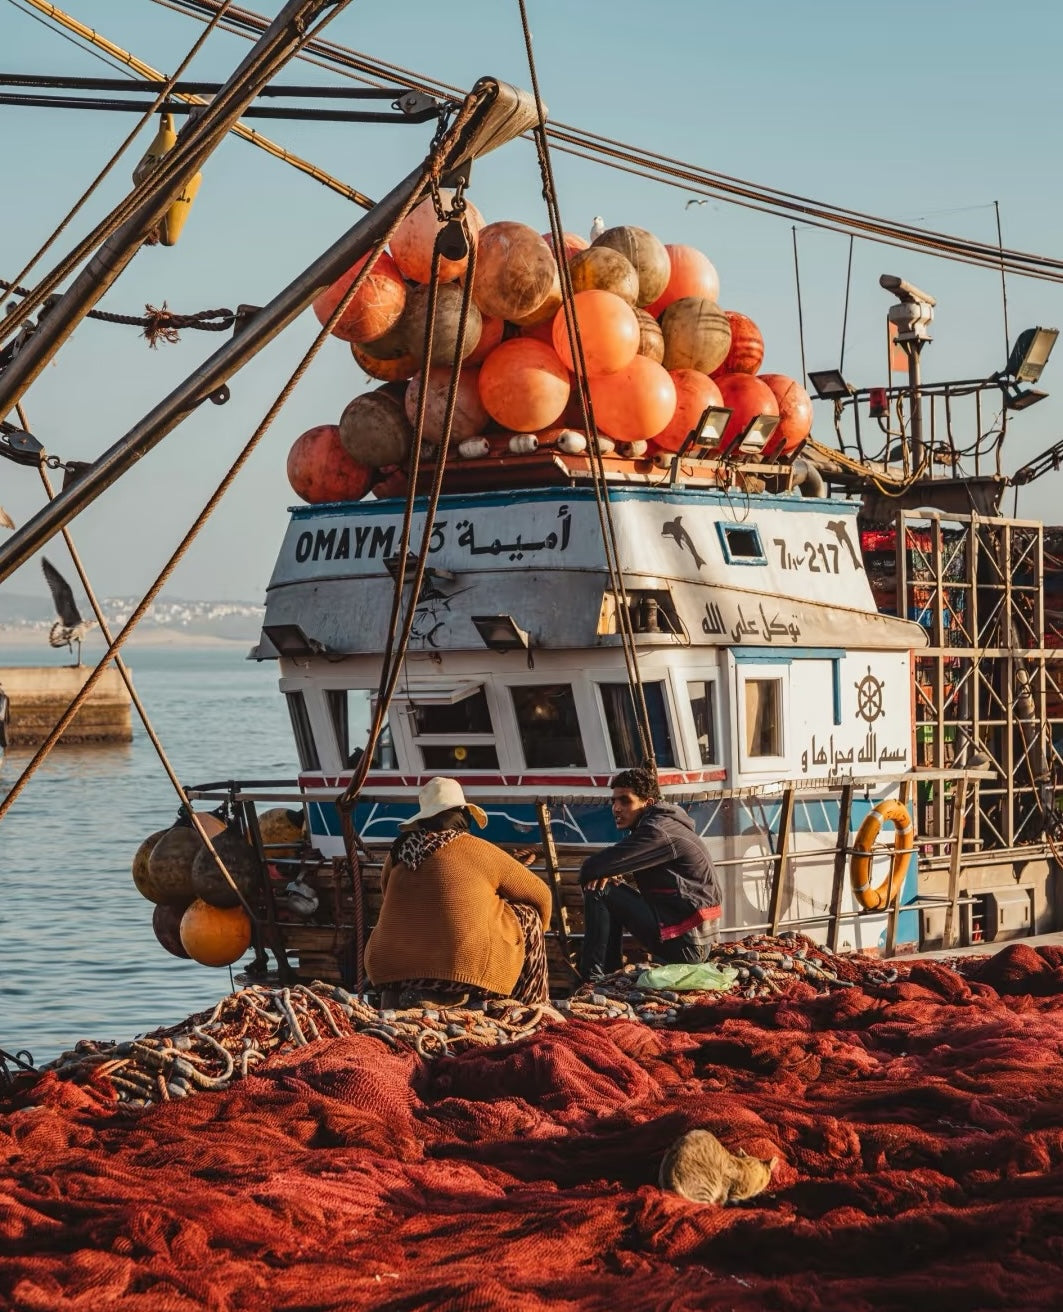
[829, 385]
[501, 633]
[1030, 355]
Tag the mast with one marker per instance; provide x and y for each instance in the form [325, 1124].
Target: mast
[497, 113]
[284, 37]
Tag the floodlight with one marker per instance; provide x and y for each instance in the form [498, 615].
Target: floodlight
[829, 385]
[1020, 398]
[290, 640]
[501, 633]
[1030, 355]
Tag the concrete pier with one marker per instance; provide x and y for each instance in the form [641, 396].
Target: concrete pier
[40, 694]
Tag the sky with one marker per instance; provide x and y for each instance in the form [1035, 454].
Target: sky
[925, 112]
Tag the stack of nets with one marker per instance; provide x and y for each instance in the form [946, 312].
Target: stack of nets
[918, 1123]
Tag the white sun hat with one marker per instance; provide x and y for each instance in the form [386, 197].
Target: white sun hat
[443, 794]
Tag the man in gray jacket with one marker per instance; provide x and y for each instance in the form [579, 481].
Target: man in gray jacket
[675, 908]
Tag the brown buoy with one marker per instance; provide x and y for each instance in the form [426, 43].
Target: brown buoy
[240, 860]
[168, 877]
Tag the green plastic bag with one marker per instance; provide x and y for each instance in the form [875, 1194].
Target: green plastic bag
[702, 975]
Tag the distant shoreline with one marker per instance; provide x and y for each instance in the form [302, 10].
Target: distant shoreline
[26, 638]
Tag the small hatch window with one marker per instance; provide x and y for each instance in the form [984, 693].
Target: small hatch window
[741, 544]
[623, 726]
[702, 694]
[351, 711]
[304, 738]
[549, 726]
[455, 735]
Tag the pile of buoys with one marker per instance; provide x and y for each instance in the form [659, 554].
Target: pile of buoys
[198, 913]
[656, 347]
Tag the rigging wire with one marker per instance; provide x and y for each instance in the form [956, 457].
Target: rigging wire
[663, 168]
[87, 193]
[599, 480]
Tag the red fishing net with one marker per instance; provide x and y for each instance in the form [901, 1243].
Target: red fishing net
[918, 1126]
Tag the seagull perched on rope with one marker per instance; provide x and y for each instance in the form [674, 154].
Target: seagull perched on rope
[69, 627]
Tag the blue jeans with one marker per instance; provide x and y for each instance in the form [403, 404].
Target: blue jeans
[608, 912]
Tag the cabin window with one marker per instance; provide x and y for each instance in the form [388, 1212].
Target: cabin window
[304, 738]
[702, 694]
[741, 544]
[548, 724]
[455, 735]
[763, 723]
[351, 710]
[623, 726]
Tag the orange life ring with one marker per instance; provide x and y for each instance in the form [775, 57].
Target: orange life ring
[877, 899]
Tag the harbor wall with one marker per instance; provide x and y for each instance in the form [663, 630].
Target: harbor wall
[40, 694]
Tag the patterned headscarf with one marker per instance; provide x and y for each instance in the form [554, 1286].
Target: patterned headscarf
[418, 845]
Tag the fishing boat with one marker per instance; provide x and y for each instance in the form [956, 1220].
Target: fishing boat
[806, 643]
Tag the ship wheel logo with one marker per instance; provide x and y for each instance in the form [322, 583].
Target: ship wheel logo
[869, 697]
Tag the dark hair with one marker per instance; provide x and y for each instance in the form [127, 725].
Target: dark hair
[643, 783]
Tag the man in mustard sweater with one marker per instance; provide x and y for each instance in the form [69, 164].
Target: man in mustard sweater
[674, 910]
[458, 913]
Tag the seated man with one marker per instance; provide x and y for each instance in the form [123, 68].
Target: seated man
[674, 910]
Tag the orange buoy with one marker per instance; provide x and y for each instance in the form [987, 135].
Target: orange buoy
[795, 410]
[524, 385]
[646, 253]
[697, 334]
[694, 393]
[374, 429]
[492, 330]
[746, 352]
[414, 324]
[215, 936]
[651, 339]
[515, 271]
[691, 273]
[414, 239]
[542, 332]
[609, 332]
[470, 417]
[634, 403]
[393, 483]
[572, 243]
[603, 269]
[320, 470]
[747, 398]
[546, 309]
[166, 925]
[393, 370]
[376, 306]
[167, 874]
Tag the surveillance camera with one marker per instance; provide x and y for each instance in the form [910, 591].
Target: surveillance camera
[905, 291]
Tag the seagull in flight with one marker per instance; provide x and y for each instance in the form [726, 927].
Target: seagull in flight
[694, 201]
[69, 627]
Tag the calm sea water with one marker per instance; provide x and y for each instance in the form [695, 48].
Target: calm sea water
[78, 958]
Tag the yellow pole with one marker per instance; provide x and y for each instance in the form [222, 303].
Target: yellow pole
[247, 134]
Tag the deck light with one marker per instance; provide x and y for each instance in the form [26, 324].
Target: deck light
[1030, 355]
[829, 385]
[290, 640]
[753, 437]
[501, 633]
[1021, 398]
[705, 436]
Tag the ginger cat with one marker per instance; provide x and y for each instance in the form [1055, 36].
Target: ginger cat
[700, 1168]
